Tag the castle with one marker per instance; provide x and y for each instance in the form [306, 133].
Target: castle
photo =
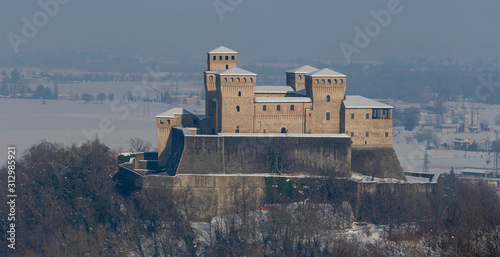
[312, 102]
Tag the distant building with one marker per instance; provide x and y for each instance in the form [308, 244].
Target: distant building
[471, 122]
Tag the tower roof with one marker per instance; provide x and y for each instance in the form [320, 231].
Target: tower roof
[174, 111]
[236, 72]
[303, 69]
[222, 50]
[326, 73]
[360, 102]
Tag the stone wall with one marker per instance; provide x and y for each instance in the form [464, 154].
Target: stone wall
[326, 155]
[380, 162]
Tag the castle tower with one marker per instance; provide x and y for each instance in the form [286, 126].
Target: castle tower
[219, 59]
[296, 78]
[235, 101]
[326, 88]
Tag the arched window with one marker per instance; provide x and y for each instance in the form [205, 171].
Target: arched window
[244, 79]
[225, 79]
[227, 57]
[292, 107]
[335, 81]
[232, 79]
[317, 81]
[227, 66]
[328, 98]
[232, 57]
[283, 130]
[327, 116]
[251, 79]
[220, 57]
[264, 108]
[237, 129]
[323, 81]
[161, 121]
[329, 81]
[341, 81]
[265, 130]
[211, 78]
[238, 108]
[238, 79]
[215, 58]
[300, 76]
[239, 93]
[168, 122]
[278, 108]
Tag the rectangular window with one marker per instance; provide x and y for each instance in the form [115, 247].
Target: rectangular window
[292, 107]
[386, 134]
[367, 116]
[232, 57]
[264, 108]
[279, 107]
[352, 134]
[367, 134]
[327, 116]
[352, 115]
[376, 114]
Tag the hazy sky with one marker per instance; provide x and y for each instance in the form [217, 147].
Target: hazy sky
[454, 28]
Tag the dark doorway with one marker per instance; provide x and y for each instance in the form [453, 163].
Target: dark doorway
[283, 130]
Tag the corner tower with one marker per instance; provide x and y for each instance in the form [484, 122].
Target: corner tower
[326, 88]
[219, 59]
[235, 100]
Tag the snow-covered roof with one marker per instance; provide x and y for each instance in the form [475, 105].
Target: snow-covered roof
[222, 50]
[174, 111]
[236, 72]
[283, 135]
[303, 69]
[283, 100]
[360, 102]
[326, 73]
[273, 89]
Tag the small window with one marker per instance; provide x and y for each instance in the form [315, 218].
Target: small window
[366, 142]
[237, 108]
[352, 134]
[265, 131]
[283, 130]
[220, 57]
[227, 58]
[215, 58]
[168, 122]
[238, 80]
[323, 81]
[335, 81]
[329, 81]
[386, 134]
[279, 107]
[251, 79]
[264, 108]
[327, 116]
[292, 107]
[239, 93]
[237, 129]
[232, 57]
[211, 78]
[367, 116]
[244, 79]
[232, 79]
[227, 66]
[300, 76]
[328, 98]
[341, 81]
[161, 121]
[367, 134]
[317, 81]
[225, 79]
[352, 115]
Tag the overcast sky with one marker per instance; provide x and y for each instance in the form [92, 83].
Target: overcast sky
[451, 28]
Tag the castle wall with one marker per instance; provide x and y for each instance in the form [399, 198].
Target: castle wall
[326, 155]
[367, 131]
[380, 162]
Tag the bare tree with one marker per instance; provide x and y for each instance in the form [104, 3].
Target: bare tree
[139, 145]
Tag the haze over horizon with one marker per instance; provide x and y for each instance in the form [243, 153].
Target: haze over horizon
[457, 29]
